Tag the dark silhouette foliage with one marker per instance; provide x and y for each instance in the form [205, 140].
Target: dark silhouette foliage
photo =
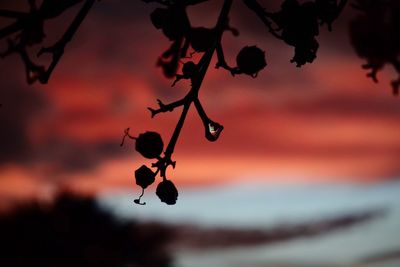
[375, 35]
[250, 60]
[150, 145]
[74, 231]
[144, 176]
[167, 192]
[297, 23]
[29, 27]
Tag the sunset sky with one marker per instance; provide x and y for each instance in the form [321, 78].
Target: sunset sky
[324, 122]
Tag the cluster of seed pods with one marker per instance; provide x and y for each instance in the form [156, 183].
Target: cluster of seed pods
[375, 35]
[298, 25]
[150, 145]
[173, 21]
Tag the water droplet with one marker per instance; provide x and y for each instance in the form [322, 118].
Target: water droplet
[213, 131]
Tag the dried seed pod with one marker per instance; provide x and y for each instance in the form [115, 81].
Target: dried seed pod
[149, 144]
[144, 176]
[167, 192]
[251, 60]
[172, 22]
[201, 39]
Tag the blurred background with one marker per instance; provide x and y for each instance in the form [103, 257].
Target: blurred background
[305, 173]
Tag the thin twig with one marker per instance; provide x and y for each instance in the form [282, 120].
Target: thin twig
[58, 49]
[166, 107]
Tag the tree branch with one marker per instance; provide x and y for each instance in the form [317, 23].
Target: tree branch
[262, 15]
[166, 107]
[57, 50]
[192, 96]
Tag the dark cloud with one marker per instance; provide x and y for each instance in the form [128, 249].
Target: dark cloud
[382, 257]
[89, 235]
[76, 156]
[20, 105]
[192, 237]
[73, 231]
[23, 107]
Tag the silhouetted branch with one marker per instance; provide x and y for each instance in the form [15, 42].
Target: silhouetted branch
[30, 26]
[171, 2]
[396, 83]
[166, 107]
[144, 176]
[12, 14]
[47, 10]
[57, 50]
[162, 2]
[221, 63]
[297, 24]
[340, 7]
[262, 15]
[374, 36]
[13, 28]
